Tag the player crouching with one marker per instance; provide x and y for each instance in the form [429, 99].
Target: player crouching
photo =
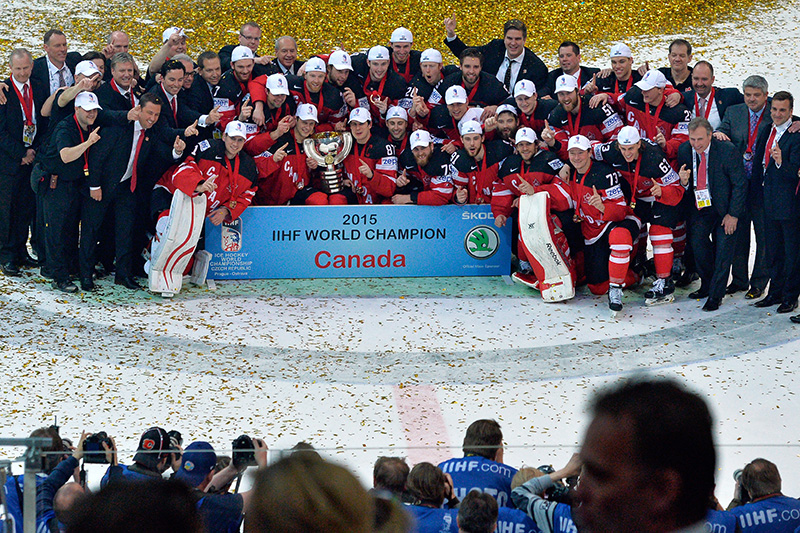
[218, 180]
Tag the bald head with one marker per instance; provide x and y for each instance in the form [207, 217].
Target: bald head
[66, 499]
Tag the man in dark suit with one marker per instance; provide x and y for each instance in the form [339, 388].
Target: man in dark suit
[775, 165]
[679, 73]
[249, 36]
[200, 95]
[285, 57]
[57, 67]
[21, 134]
[120, 93]
[714, 175]
[504, 55]
[742, 125]
[569, 59]
[708, 101]
[115, 164]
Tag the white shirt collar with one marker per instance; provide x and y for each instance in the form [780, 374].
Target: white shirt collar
[54, 69]
[517, 59]
[18, 84]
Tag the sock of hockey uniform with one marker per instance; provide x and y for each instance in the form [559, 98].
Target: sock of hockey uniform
[621, 245]
[317, 198]
[661, 237]
[679, 240]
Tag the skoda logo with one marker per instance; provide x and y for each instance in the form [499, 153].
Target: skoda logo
[481, 242]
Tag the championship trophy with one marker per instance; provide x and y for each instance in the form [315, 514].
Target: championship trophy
[329, 149]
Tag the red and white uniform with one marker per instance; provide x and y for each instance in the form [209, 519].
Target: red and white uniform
[379, 155]
[436, 178]
[672, 122]
[479, 177]
[278, 182]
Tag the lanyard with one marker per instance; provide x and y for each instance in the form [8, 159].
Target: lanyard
[85, 152]
[651, 123]
[627, 84]
[234, 173]
[308, 97]
[27, 105]
[636, 181]
[367, 83]
[130, 92]
[473, 91]
[362, 153]
[407, 74]
[574, 128]
[709, 102]
[576, 193]
[751, 134]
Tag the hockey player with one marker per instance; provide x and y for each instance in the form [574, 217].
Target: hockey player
[656, 193]
[371, 168]
[574, 116]
[217, 181]
[315, 90]
[443, 121]
[382, 86]
[504, 124]
[274, 110]
[233, 95]
[483, 90]
[342, 78]
[528, 172]
[284, 173]
[404, 61]
[477, 165]
[426, 176]
[430, 77]
[616, 82]
[601, 198]
[532, 112]
[397, 128]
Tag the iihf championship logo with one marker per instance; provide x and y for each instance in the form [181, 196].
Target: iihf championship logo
[481, 242]
[232, 236]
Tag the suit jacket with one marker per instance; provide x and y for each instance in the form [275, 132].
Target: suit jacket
[198, 97]
[553, 75]
[494, 53]
[724, 98]
[41, 73]
[185, 115]
[736, 125]
[112, 100]
[726, 179]
[108, 159]
[12, 122]
[779, 184]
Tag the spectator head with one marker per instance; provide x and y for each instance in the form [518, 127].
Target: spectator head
[390, 474]
[761, 478]
[154, 451]
[66, 500]
[648, 459]
[478, 513]
[390, 517]
[197, 465]
[525, 474]
[250, 35]
[138, 507]
[314, 496]
[427, 485]
[484, 439]
[55, 46]
[305, 449]
[286, 51]
[514, 35]
[119, 41]
[50, 460]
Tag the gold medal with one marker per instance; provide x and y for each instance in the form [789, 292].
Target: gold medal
[233, 204]
[576, 218]
[633, 204]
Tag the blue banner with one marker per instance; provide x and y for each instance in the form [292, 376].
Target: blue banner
[358, 241]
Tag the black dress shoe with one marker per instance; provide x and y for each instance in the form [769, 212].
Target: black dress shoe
[787, 307]
[795, 319]
[128, 283]
[698, 294]
[87, 284]
[65, 286]
[733, 289]
[712, 304]
[752, 294]
[29, 261]
[10, 269]
[686, 279]
[45, 273]
[769, 301]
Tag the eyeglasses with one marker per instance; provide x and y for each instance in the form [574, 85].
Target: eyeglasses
[249, 38]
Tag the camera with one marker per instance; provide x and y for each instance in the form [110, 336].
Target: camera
[244, 452]
[93, 451]
[559, 492]
[744, 496]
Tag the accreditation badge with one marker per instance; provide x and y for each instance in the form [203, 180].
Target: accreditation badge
[28, 133]
[702, 198]
[748, 156]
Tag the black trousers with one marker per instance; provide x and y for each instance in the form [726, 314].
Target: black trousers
[713, 250]
[17, 206]
[759, 278]
[782, 255]
[62, 208]
[118, 205]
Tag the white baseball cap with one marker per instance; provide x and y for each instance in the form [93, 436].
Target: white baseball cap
[397, 112]
[315, 64]
[401, 35]
[169, 31]
[566, 83]
[525, 135]
[620, 50]
[86, 68]
[471, 126]
[378, 53]
[430, 55]
[87, 101]
[628, 136]
[236, 129]
[340, 60]
[579, 141]
[307, 112]
[506, 108]
[455, 94]
[420, 138]
[524, 88]
[360, 114]
[277, 84]
[651, 80]
[241, 52]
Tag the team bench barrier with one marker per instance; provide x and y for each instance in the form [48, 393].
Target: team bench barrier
[358, 241]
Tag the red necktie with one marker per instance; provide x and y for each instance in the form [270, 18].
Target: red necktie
[26, 95]
[768, 148]
[136, 159]
[702, 173]
[174, 104]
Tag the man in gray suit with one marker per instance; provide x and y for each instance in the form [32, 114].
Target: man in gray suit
[741, 125]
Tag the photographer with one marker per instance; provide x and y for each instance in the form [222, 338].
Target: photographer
[154, 456]
[549, 515]
[221, 512]
[767, 509]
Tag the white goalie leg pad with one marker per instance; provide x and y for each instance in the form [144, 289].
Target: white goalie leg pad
[536, 233]
[172, 249]
[202, 259]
